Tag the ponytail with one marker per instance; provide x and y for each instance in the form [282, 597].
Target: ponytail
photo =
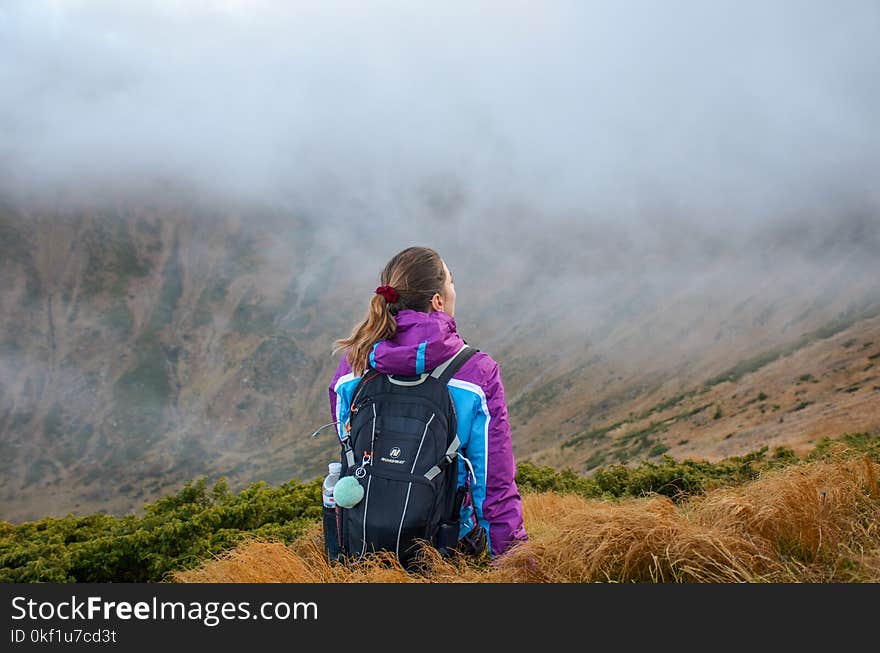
[378, 325]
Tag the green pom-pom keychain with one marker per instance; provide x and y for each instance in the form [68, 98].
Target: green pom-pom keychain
[348, 492]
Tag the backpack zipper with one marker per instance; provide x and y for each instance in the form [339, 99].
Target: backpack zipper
[354, 404]
[369, 479]
[409, 487]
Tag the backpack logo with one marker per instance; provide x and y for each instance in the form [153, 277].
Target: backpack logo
[393, 457]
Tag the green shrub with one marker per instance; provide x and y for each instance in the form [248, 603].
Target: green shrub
[532, 478]
[679, 479]
[175, 532]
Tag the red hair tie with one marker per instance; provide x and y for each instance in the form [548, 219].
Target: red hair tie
[389, 293]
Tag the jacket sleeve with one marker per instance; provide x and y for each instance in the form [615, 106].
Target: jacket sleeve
[334, 414]
[338, 400]
[496, 497]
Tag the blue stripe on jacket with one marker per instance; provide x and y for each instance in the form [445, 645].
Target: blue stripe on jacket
[420, 357]
[473, 427]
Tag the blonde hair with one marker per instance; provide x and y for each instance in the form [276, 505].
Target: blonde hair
[417, 274]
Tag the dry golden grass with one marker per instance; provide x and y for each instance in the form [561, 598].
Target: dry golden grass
[817, 522]
[259, 561]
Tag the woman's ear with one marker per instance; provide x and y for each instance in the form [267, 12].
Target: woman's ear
[437, 302]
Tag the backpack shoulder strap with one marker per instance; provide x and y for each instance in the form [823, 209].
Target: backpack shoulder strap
[445, 371]
[369, 375]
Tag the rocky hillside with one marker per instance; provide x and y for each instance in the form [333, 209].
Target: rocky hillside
[826, 382]
[144, 345]
[148, 341]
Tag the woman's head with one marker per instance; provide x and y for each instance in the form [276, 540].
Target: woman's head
[423, 283]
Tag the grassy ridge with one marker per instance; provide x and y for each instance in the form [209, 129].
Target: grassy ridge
[182, 531]
[813, 521]
[843, 321]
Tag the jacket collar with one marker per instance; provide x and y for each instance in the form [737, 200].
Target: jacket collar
[422, 342]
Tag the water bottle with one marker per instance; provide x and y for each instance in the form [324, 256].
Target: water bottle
[331, 525]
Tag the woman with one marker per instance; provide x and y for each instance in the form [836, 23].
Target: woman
[410, 330]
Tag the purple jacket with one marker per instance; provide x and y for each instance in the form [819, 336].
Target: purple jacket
[422, 342]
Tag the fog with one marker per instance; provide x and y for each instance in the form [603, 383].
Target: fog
[723, 112]
[570, 149]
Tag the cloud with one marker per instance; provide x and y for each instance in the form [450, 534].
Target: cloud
[731, 110]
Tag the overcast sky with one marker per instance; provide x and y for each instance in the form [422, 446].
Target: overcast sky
[726, 110]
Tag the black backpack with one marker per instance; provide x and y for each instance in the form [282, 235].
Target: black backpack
[402, 446]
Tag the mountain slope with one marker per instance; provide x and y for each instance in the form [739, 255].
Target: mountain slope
[159, 337]
[825, 383]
